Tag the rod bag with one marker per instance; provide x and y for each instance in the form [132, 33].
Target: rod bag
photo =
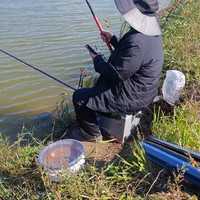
[171, 157]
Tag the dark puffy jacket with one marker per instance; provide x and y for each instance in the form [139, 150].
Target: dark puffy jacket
[129, 79]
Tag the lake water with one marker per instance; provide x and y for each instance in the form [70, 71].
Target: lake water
[50, 35]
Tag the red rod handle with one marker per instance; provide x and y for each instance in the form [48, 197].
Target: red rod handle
[99, 25]
[101, 30]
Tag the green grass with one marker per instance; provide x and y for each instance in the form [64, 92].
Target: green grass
[181, 36]
[135, 177]
[181, 128]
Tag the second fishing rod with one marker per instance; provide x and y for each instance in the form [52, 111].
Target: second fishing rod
[37, 69]
[49, 75]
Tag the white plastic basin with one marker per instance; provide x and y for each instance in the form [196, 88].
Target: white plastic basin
[62, 158]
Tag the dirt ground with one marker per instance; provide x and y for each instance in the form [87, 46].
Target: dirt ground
[104, 152]
[100, 154]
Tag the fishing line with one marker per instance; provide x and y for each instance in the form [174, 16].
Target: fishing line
[71, 87]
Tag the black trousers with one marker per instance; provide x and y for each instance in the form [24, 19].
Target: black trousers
[86, 117]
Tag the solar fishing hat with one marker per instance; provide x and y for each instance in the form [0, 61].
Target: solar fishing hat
[140, 14]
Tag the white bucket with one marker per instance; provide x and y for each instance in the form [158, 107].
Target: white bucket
[62, 158]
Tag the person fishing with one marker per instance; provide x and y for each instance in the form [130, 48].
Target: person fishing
[129, 79]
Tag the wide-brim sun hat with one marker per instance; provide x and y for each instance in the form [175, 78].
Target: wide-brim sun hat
[141, 15]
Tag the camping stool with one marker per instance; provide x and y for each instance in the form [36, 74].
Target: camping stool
[119, 125]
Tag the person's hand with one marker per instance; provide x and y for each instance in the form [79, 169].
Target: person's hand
[106, 35]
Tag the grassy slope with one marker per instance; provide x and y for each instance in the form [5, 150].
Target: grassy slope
[181, 36]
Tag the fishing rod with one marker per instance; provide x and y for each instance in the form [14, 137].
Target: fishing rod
[73, 88]
[99, 25]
